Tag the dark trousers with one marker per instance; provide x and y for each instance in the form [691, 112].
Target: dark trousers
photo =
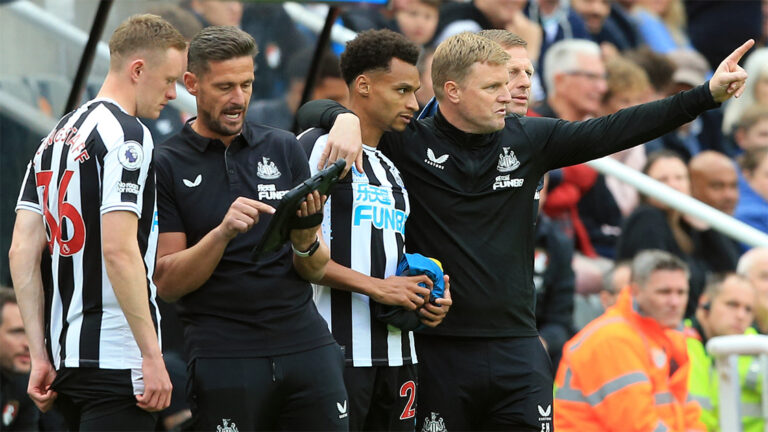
[301, 391]
[381, 398]
[100, 400]
[477, 384]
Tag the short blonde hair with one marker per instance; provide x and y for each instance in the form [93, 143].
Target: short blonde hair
[143, 32]
[455, 56]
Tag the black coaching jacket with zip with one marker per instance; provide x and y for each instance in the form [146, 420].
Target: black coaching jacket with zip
[472, 197]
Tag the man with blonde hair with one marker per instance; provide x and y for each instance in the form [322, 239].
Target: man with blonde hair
[85, 231]
[472, 174]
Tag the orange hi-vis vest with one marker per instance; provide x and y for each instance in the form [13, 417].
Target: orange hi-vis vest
[625, 372]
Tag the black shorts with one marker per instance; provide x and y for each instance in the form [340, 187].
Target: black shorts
[301, 391]
[101, 400]
[381, 398]
[483, 384]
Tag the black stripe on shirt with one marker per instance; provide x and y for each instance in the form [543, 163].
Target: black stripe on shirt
[341, 301]
[90, 203]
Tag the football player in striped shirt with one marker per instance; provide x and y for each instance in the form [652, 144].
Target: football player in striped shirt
[364, 225]
[84, 243]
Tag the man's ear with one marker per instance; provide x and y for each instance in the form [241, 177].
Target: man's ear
[452, 91]
[362, 85]
[191, 82]
[136, 68]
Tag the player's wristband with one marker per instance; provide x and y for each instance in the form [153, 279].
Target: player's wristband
[309, 252]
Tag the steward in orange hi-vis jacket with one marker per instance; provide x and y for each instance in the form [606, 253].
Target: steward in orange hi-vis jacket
[625, 372]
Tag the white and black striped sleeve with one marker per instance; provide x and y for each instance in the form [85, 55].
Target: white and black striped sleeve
[28, 197]
[126, 164]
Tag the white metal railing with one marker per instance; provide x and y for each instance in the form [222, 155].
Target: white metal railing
[718, 220]
[44, 20]
[726, 351]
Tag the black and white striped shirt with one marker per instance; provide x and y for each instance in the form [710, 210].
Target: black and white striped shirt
[364, 226]
[98, 159]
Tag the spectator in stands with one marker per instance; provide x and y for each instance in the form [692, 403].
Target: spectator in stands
[215, 12]
[703, 133]
[278, 38]
[726, 308]
[418, 20]
[751, 130]
[753, 204]
[576, 80]
[714, 181]
[604, 206]
[659, 69]
[616, 372]
[754, 266]
[654, 225]
[661, 24]
[490, 14]
[616, 279]
[425, 93]
[554, 283]
[558, 22]
[603, 22]
[279, 112]
[18, 411]
[756, 91]
[587, 308]
[370, 17]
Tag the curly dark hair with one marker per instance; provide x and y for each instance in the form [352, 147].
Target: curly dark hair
[374, 49]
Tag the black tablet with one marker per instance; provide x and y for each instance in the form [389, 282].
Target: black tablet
[284, 219]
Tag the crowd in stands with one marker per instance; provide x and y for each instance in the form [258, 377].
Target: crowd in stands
[591, 58]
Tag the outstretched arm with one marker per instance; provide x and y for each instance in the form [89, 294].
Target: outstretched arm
[569, 143]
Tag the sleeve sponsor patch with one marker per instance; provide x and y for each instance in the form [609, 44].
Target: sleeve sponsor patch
[131, 188]
[130, 155]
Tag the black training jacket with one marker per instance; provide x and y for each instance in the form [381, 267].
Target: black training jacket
[472, 197]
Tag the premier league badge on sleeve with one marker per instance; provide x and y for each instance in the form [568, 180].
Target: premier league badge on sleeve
[130, 155]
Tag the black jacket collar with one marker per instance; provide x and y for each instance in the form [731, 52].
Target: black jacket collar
[460, 137]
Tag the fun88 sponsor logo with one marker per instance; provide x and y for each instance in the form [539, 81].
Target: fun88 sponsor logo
[373, 203]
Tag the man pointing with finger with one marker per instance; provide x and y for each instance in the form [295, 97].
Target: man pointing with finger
[472, 174]
[261, 357]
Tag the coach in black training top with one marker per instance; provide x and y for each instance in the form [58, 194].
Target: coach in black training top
[472, 196]
[261, 356]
